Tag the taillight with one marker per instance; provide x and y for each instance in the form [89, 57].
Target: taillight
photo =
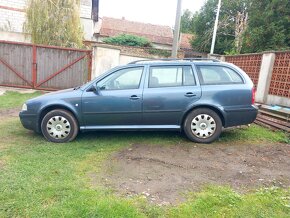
[253, 95]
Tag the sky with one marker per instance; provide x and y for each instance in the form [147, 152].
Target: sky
[160, 12]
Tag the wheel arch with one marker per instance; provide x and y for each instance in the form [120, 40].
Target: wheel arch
[49, 108]
[213, 108]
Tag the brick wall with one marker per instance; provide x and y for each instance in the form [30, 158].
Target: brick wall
[250, 63]
[280, 81]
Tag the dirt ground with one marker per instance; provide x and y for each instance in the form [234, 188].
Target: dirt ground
[13, 112]
[163, 174]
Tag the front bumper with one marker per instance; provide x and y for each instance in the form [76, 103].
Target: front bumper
[29, 121]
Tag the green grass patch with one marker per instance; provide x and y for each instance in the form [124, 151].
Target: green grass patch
[42, 179]
[224, 202]
[11, 99]
[254, 134]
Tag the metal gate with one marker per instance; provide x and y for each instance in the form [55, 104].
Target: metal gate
[28, 65]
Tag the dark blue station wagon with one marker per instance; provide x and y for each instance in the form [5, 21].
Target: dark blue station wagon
[198, 97]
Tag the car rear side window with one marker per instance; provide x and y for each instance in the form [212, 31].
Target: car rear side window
[213, 75]
[171, 76]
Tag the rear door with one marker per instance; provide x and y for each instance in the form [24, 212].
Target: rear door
[168, 91]
[226, 88]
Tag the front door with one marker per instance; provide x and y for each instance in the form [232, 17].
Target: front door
[118, 100]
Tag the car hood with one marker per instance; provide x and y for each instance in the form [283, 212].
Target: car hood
[58, 95]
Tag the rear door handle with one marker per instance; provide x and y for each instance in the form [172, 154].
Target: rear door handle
[189, 94]
[134, 97]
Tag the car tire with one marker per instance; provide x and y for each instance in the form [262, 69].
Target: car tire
[202, 125]
[59, 126]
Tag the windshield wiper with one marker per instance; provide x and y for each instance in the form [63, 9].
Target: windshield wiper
[76, 88]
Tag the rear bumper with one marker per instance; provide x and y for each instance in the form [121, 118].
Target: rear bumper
[29, 121]
[240, 116]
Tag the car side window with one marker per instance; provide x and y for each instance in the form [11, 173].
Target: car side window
[212, 75]
[171, 76]
[128, 78]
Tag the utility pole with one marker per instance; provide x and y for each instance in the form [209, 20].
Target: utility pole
[215, 28]
[176, 30]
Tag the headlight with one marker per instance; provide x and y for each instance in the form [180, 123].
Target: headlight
[24, 107]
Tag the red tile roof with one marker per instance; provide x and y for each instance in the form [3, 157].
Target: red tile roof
[155, 33]
[185, 39]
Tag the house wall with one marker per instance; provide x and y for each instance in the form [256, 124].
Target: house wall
[12, 18]
[12, 15]
[86, 19]
[15, 37]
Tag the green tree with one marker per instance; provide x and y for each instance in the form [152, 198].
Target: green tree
[269, 26]
[203, 23]
[186, 22]
[54, 22]
[244, 26]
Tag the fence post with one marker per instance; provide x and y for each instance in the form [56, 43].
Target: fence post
[265, 75]
[90, 55]
[34, 67]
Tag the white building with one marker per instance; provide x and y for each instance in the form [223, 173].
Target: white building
[12, 18]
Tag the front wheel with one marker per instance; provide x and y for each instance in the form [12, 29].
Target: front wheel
[59, 126]
[202, 125]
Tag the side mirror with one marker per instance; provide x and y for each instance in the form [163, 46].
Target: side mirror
[96, 89]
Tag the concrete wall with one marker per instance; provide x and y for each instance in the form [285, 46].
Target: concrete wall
[106, 57]
[277, 100]
[265, 77]
[125, 59]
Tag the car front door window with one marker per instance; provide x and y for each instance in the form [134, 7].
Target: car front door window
[122, 79]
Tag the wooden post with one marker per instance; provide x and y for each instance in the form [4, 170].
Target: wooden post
[34, 66]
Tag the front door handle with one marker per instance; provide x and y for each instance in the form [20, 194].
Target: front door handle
[134, 97]
[189, 94]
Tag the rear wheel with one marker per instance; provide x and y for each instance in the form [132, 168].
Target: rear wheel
[59, 126]
[202, 125]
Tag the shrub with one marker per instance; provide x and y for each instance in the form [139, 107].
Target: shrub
[159, 52]
[129, 40]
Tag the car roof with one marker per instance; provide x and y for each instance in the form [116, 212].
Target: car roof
[171, 61]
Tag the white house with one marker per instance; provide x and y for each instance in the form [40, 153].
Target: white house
[12, 18]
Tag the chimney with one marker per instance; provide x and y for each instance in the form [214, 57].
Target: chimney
[95, 10]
